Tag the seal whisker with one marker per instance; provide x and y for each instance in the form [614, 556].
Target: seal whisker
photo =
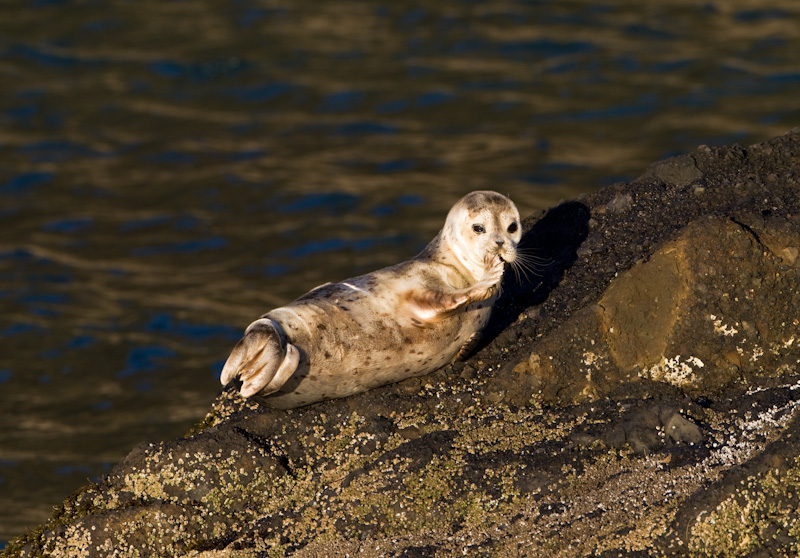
[534, 265]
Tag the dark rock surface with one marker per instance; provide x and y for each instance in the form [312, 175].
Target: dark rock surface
[639, 397]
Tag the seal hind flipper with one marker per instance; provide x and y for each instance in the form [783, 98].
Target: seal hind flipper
[261, 359]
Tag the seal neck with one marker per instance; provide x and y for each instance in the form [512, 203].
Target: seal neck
[464, 255]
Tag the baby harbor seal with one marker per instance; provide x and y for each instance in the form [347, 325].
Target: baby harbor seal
[401, 321]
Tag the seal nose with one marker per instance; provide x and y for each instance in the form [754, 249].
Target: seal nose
[500, 243]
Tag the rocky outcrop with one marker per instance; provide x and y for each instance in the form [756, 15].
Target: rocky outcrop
[638, 396]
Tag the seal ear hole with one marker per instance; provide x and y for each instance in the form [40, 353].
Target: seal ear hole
[512, 228]
[478, 228]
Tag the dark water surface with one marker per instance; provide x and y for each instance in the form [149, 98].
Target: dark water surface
[171, 169]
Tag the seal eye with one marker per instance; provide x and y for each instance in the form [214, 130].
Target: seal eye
[512, 228]
[479, 229]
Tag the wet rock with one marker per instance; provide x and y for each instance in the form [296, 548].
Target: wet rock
[677, 171]
[640, 396]
[619, 203]
[654, 428]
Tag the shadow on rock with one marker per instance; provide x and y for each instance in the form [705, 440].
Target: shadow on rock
[548, 248]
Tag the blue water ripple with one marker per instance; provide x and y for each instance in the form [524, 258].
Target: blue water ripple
[68, 225]
[186, 223]
[16, 329]
[542, 48]
[50, 59]
[788, 78]
[73, 469]
[761, 14]
[383, 210]
[102, 25]
[318, 246]
[397, 105]
[642, 30]
[331, 202]
[81, 342]
[26, 182]
[341, 101]
[145, 359]
[410, 199]
[433, 98]
[396, 165]
[359, 128]
[262, 93]
[57, 150]
[187, 247]
[138, 224]
[198, 71]
[44, 312]
[16, 254]
[276, 270]
[251, 16]
[22, 113]
[247, 155]
[104, 405]
[166, 323]
[46, 298]
[172, 158]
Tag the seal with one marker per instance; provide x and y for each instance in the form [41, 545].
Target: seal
[395, 323]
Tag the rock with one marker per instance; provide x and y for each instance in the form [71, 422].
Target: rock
[639, 397]
[700, 313]
[677, 171]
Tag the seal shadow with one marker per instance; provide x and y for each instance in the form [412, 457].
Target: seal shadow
[550, 245]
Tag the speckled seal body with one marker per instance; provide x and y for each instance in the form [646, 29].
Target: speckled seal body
[401, 321]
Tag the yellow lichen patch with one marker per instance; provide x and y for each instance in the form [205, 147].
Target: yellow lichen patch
[764, 510]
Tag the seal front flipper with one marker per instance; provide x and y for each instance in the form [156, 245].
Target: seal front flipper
[428, 305]
[432, 306]
[262, 359]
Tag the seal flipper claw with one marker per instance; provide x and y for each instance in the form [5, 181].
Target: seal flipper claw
[284, 372]
[233, 364]
[467, 347]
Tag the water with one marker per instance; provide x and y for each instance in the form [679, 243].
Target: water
[170, 170]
